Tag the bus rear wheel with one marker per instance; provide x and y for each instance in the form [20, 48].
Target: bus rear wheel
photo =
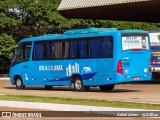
[48, 87]
[78, 85]
[106, 87]
[19, 83]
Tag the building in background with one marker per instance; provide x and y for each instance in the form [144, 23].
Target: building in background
[123, 10]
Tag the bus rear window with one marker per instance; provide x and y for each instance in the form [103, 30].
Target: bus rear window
[135, 43]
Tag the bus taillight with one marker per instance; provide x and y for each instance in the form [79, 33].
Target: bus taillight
[120, 67]
[150, 66]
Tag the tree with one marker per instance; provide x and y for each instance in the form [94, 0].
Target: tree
[36, 17]
[7, 21]
[25, 18]
[7, 43]
[122, 25]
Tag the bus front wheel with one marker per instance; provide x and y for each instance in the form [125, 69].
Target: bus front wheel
[19, 83]
[78, 85]
[106, 87]
[48, 87]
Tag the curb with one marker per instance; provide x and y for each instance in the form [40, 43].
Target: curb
[5, 78]
[61, 107]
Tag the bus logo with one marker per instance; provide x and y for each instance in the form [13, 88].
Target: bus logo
[86, 70]
[72, 69]
[75, 68]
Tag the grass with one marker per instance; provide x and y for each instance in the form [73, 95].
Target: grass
[90, 102]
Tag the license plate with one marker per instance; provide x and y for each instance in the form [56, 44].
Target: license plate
[136, 78]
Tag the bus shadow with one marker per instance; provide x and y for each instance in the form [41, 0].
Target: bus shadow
[40, 88]
[157, 81]
[71, 89]
[125, 90]
[115, 91]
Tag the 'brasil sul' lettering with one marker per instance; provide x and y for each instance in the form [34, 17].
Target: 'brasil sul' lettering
[50, 67]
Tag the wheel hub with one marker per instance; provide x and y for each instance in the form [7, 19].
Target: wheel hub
[78, 84]
[18, 82]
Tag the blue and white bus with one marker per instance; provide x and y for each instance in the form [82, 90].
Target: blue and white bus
[83, 58]
[155, 50]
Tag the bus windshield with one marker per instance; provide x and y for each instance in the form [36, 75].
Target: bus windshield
[137, 42]
[22, 53]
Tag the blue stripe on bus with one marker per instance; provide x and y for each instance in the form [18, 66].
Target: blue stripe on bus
[84, 77]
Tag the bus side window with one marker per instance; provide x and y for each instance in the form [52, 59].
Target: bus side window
[41, 51]
[108, 47]
[46, 50]
[20, 55]
[65, 49]
[37, 51]
[96, 45]
[57, 52]
[74, 51]
[52, 51]
[83, 49]
[27, 53]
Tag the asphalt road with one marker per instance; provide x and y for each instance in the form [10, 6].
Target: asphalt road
[137, 92]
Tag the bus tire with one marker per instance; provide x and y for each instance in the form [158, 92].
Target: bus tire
[106, 87]
[19, 83]
[78, 85]
[48, 87]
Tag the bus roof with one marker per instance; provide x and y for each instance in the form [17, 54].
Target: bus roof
[133, 31]
[154, 31]
[81, 33]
